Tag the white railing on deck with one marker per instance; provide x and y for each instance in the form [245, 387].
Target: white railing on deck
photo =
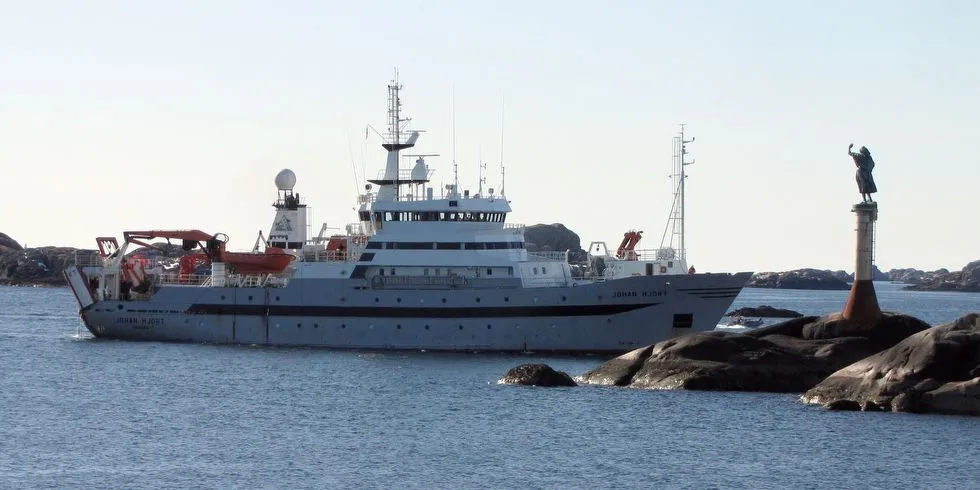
[331, 256]
[649, 254]
[88, 258]
[549, 256]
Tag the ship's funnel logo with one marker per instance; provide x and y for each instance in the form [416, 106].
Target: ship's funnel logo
[283, 225]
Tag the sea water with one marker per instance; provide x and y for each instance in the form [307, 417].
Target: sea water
[76, 412]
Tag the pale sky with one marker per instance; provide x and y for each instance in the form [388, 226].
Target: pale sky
[138, 115]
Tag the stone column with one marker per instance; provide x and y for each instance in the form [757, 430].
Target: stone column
[862, 304]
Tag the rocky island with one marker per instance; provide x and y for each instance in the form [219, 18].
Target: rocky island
[40, 266]
[801, 279]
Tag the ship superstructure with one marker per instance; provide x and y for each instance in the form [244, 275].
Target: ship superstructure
[421, 268]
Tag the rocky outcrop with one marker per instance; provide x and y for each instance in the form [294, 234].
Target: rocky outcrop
[36, 266]
[967, 279]
[8, 244]
[907, 276]
[765, 311]
[536, 375]
[876, 274]
[801, 279]
[937, 370]
[555, 238]
[789, 357]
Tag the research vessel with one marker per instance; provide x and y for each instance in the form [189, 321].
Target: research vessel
[422, 268]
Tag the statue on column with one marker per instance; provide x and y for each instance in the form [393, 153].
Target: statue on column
[864, 163]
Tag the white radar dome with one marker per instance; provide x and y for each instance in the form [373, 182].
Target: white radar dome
[285, 180]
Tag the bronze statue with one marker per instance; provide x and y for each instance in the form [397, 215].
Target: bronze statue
[864, 163]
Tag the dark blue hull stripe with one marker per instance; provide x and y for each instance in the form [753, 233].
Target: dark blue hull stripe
[411, 312]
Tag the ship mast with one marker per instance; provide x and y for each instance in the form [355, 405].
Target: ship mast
[393, 143]
[676, 221]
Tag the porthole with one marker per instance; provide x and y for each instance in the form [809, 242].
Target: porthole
[343, 325]
[222, 296]
[316, 325]
[377, 299]
[443, 300]
[277, 298]
[563, 298]
[506, 299]
[477, 300]
[299, 325]
[426, 327]
[399, 327]
[488, 327]
[460, 327]
[250, 298]
[398, 300]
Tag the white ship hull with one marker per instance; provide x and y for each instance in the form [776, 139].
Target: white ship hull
[609, 316]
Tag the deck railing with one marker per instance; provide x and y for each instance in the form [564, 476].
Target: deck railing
[549, 256]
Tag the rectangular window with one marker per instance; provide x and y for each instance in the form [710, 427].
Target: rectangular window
[535, 271]
[474, 246]
[437, 271]
[375, 245]
[448, 246]
[543, 271]
[425, 272]
[683, 320]
[489, 272]
[414, 245]
[381, 272]
[392, 271]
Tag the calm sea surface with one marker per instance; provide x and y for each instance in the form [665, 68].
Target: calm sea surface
[82, 413]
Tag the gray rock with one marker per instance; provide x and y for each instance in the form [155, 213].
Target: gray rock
[789, 357]
[555, 238]
[967, 280]
[801, 279]
[936, 370]
[36, 266]
[537, 375]
[765, 311]
[8, 244]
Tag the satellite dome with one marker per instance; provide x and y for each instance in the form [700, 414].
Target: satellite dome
[285, 180]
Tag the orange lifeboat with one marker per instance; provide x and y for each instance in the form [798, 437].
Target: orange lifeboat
[272, 261]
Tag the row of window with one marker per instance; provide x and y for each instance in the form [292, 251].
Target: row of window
[480, 216]
[444, 245]
[449, 272]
